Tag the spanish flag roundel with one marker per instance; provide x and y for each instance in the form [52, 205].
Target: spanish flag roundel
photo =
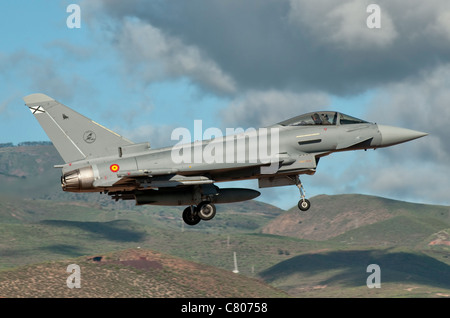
[114, 167]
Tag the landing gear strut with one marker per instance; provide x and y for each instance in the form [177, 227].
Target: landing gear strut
[205, 211]
[304, 203]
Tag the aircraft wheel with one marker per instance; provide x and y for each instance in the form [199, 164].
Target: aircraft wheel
[206, 210]
[190, 216]
[304, 204]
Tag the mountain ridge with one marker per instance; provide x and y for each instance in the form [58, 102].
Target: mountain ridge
[333, 215]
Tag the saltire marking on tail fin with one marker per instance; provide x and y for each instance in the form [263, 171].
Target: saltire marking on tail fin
[37, 109]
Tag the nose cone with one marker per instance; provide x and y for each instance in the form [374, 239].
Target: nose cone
[395, 135]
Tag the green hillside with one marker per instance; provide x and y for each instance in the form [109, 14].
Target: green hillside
[70, 229]
[402, 230]
[302, 268]
[27, 171]
[362, 219]
[343, 273]
[320, 253]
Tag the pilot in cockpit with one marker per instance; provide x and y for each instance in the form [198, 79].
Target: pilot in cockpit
[325, 120]
[316, 118]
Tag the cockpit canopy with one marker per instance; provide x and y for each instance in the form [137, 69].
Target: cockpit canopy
[322, 118]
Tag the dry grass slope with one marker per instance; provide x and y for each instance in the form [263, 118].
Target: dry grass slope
[131, 273]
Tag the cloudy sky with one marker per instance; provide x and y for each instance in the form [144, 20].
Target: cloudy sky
[143, 68]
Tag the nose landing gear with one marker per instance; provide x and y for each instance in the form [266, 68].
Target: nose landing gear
[304, 203]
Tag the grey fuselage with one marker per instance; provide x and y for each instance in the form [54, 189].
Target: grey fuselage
[299, 149]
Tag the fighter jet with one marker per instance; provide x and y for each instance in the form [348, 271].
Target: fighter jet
[97, 159]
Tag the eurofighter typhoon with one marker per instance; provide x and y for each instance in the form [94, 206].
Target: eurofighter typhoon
[99, 160]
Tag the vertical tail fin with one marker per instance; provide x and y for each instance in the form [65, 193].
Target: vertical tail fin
[74, 136]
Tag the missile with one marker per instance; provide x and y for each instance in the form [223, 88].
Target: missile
[183, 197]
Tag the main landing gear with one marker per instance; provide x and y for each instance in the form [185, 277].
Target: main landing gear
[304, 203]
[205, 211]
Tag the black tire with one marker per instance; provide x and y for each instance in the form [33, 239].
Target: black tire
[191, 217]
[206, 210]
[304, 204]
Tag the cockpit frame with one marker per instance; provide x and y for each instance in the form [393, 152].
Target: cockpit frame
[331, 118]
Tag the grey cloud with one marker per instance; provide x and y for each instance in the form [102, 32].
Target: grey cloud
[343, 24]
[68, 50]
[259, 109]
[41, 74]
[379, 173]
[6, 102]
[154, 55]
[406, 179]
[419, 103]
[299, 44]
[425, 183]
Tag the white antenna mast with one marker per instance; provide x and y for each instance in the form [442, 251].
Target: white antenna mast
[235, 270]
